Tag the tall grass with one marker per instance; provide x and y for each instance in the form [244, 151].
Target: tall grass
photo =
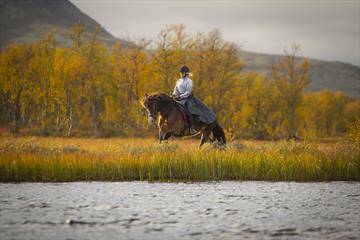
[37, 159]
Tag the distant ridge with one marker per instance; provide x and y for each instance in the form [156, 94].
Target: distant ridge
[335, 76]
[24, 21]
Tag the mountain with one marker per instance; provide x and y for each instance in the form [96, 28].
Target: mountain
[336, 76]
[28, 20]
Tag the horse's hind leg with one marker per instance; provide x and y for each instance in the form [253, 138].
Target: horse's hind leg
[202, 141]
[204, 136]
[211, 137]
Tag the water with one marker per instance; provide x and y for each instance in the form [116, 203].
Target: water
[141, 210]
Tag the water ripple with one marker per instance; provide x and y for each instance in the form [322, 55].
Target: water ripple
[215, 210]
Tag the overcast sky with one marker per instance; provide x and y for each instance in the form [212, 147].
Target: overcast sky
[328, 30]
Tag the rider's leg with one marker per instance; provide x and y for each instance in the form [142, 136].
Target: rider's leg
[191, 123]
[190, 120]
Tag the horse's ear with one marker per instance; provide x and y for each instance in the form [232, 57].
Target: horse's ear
[146, 95]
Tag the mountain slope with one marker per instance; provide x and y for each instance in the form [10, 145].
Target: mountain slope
[336, 76]
[27, 21]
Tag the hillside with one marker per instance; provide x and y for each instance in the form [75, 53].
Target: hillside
[28, 20]
[336, 76]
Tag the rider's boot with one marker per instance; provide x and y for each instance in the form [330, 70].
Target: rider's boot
[191, 124]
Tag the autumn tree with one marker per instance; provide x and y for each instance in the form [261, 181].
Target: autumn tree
[257, 113]
[321, 113]
[128, 82]
[95, 55]
[40, 75]
[69, 72]
[70, 66]
[76, 35]
[216, 65]
[89, 86]
[291, 76]
[171, 52]
[14, 70]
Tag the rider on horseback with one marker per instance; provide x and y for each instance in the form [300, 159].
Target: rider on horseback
[183, 91]
[171, 118]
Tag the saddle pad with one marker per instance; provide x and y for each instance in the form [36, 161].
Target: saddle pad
[184, 117]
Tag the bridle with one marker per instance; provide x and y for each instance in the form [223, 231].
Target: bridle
[155, 109]
[152, 115]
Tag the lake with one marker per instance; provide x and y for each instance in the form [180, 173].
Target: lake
[209, 210]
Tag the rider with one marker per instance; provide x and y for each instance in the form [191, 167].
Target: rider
[182, 91]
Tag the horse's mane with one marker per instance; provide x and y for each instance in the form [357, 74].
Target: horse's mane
[162, 99]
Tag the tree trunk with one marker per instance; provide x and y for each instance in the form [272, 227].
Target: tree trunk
[293, 123]
[44, 116]
[16, 113]
[58, 127]
[95, 113]
[69, 112]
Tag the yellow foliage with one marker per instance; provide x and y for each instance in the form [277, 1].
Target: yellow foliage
[90, 88]
[354, 133]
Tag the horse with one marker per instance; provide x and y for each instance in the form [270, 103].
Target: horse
[172, 120]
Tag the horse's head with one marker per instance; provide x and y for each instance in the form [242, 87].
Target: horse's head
[151, 103]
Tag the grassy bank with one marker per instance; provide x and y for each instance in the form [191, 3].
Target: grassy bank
[40, 159]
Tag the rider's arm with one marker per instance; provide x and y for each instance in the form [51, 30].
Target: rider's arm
[175, 92]
[189, 87]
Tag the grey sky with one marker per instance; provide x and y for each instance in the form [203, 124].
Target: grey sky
[328, 30]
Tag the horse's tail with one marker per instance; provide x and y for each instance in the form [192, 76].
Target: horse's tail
[219, 134]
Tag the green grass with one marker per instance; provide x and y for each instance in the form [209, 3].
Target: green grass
[39, 159]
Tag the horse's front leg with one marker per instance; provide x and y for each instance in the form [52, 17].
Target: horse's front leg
[161, 135]
[167, 136]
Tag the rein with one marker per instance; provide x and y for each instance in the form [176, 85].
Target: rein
[153, 115]
[162, 105]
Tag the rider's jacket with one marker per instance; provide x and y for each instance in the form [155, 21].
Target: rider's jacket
[183, 89]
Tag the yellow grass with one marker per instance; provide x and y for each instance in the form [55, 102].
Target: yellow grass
[47, 159]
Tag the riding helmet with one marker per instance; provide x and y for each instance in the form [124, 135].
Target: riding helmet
[184, 69]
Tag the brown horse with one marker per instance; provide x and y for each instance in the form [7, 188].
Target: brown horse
[171, 120]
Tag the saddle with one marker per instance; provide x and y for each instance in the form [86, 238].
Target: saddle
[184, 113]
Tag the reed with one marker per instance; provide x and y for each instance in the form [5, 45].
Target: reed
[40, 159]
